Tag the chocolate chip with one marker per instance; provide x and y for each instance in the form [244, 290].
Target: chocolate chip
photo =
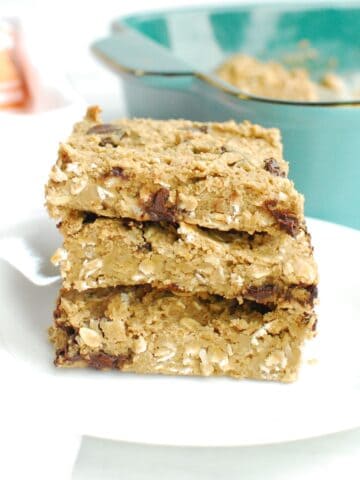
[103, 128]
[172, 287]
[143, 290]
[261, 293]
[271, 165]
[114, 140]
[70, 332]
[305, 318]
[59, 224]
[313, 293]
[64, 157]
[89, 217]
[313, 328]
[157, 207]
[308, 318]
[101, 361]
[223, 149]
[147, 246]
[57, 311]
[117, 172]
[233, 305]
[62, 357]
[203, 128]
[107, 141]
[69, 329]
[195, 180]
[261, 308]
[301, 293]
[60, 354]
[197, 128]
[286, 220]
[128, 223]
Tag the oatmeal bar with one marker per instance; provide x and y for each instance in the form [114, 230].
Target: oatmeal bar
[270, 79]
[216, 175]
[151, 331]
[101, 252]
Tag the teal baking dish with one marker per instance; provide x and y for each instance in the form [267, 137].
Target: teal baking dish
[166, 62]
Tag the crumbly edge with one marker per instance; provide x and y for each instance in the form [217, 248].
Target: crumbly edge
[150, 331]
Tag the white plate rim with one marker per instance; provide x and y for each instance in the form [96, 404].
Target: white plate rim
[81, 424]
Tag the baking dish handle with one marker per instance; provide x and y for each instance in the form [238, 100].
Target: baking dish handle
[127, 51]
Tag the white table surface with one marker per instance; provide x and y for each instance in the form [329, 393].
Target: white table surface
[34, 447]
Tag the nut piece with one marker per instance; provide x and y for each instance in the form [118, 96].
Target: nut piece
[237, 280]
[139, 345]
[276, 360]
[259, 334]
[205, 367]
[74, 168]
[147, 267]
[90, 337]
[164, 353]
[190, 323]
[192, 348]
[59, 256]
[77, 185]
[217, 356]
[187, 232]
[90, 267]
[58, 175]
[103, 193]
[186, 202]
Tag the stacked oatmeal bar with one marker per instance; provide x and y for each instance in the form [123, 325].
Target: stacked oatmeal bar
[185, 250]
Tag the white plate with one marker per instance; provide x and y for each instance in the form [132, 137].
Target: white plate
[195, 411]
